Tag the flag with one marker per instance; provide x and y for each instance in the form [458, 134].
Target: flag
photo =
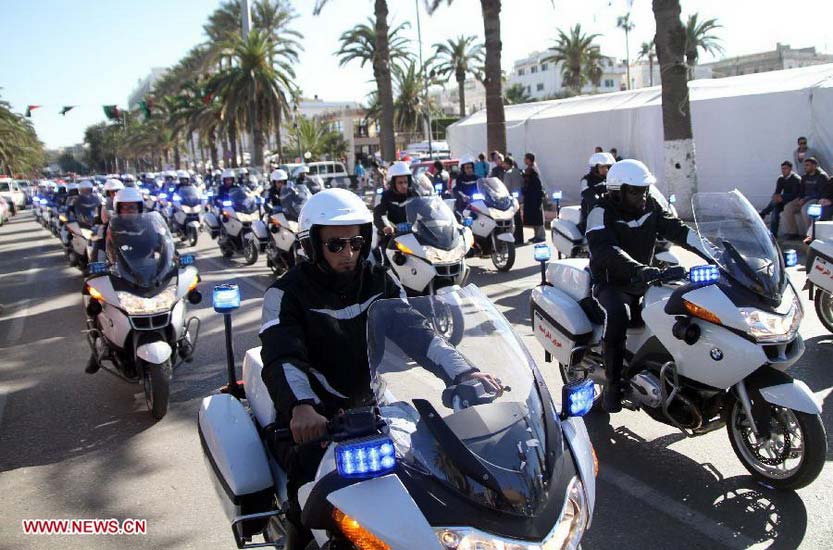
[67, 108]
[112, 112]
[31, 108]
[145, 107]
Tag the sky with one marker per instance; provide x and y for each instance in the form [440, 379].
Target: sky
[91, 53]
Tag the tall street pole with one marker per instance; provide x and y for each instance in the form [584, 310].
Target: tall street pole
[426, 104]
[247, 28]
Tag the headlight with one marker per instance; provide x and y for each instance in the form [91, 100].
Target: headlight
[566, 535]
[772, 327]
[136, 305]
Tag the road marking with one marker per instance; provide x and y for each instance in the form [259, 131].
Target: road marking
[703, 524]
[20, 313]
[2, 406]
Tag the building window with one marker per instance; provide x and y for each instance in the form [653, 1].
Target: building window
[520, 72]
[529, 89]
[543, 67]
[533, 69]
[608, 83]
[539, 87]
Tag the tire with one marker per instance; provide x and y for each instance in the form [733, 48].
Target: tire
[814, 444]
[824, 308]
[567, 376]
[449, 323]
[157, 385]
[503, 264]
[192, 236]
[251, 252]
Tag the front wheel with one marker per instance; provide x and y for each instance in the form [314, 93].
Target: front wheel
[157, 385]
[251, 252]
[793, 454]
[503, 255]
[191, 235]
[824, 308]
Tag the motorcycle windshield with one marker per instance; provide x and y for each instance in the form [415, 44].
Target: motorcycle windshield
[242, 202]
[293, 198]
[85, 208]
[189, 196]
[495, 194]
[740, 243]
[488, 449]
[142, 249]
[433, 222]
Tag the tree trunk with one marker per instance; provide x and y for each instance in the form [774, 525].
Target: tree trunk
[232, 138]
[193, 150]
[680, 168]
[495, 117]
[278, 144]
[461, 93]
[384, 85]
[212, 149]
[257, 137]
[627, 59]
[651, 69]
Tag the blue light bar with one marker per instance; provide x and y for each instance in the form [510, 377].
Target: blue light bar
[790, 258]
[478, 197]
[542, 252]
[365, 458]
[438, 187]
[814, 210]
[404, 227]
[96, 268]
[468, 221]
[379, 190]
[672, 199]
[176, 197]
[556, 195]
[226, 203]
[163, 195]
[577, 398]
[186, 259]
[516, 194]
[226, 298]
[704, 274]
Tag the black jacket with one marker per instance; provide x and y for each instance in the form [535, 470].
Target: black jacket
[314, 338]
[817, 185]
[392, 204]
[789, 186]
[621, 244]
[273, 199]
[533, 192]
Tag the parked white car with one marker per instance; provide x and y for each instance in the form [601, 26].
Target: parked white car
[14, 195]
[5, 213]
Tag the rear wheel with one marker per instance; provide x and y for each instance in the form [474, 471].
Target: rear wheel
[251, 252]
[503, 255]
[157, 385]
[824, 308]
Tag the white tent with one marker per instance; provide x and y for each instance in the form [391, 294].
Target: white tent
[744, 127]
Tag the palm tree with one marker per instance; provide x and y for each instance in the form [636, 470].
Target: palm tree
[458, 58]
[317, 138]
[515, 94]
[697, 38]
[648, 51]
[581, 61]
[624, 22]
[21, 153]
[676, 109]
[492, 81]
[409, 103]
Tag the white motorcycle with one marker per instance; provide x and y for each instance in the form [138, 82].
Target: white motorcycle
[135, 306]
[820, 269]
[284, 250]
[186, 207]
[492, 213]
[240, 229]
[714, 348]
[432, 465]
[82, 231]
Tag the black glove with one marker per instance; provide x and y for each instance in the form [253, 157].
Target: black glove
[648, 274]
[674, 273]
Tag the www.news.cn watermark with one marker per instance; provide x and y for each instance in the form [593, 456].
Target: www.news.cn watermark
[110, 526]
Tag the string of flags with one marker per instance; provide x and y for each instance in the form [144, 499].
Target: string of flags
[112, 112]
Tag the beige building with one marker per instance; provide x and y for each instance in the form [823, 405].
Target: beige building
[783, 57]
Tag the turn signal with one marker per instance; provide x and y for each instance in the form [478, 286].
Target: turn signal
[355, 533]
[404, 249]
[700, 312]
[194, 283]
[94, 294]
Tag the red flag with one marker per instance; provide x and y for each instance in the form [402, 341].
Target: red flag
[31, 108]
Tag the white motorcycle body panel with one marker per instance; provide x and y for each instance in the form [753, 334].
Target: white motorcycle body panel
[235, 448]
[179, 217]
[506, 237]
[115, 325]
[571, 276]
[193, 223]
[233, 225]
[668, 257]
[575, 432]
[821, 272]
[824, 231]
[256, 393]
[714, 300]
[185, 277]
[154, 353]
[397, 521]
[483, 225]
[566, 236]
[259, 230]
[794, 395]
[559, 324]
[414, 273]
[178, 319]
[570, 214]
[211, 221]
[79, 244]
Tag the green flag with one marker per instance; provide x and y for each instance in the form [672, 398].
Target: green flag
[67, 108]
[112, 112]
[145, 107]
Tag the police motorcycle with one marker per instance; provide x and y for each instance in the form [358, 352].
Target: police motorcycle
[283, 249]
[820, 267]
[491, 212]
[241, 231]
[82, 229]
[136, 306]
[428, 464]
[715, 347]
[186, 207]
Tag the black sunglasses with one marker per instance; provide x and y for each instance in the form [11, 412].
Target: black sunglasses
[636, 191]
[336, 245]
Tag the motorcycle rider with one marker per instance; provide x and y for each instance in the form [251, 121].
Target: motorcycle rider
[466, 183]
[593, 184]
[318, 306]
[622, 230]
[111, 188]
[393, 202]
[226, 187]
[183, 178]
[278, 180]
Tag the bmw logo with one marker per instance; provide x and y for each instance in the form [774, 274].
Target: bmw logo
[716, 354]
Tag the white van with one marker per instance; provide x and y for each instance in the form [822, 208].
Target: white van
[327, 169]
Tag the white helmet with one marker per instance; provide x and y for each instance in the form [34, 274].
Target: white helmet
[228, 173]
[182, 174]
[333, 207]
[128, 194]
[399, 168]
[278, 175]
[113, 185]
[601, 158]
[72, 187]
[466, 159]
[629, 172]
[85, 185]
[303, 169]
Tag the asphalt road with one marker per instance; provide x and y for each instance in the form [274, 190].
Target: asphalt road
[74, 445]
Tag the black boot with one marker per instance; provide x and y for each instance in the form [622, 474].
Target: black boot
[92, 365]
[612, 394]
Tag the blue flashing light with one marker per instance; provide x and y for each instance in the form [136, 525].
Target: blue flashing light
[176, 198]
[556, 195]
[542, 252]
[97, 268]
[814, 211]
[163, 195]
[478, 197]
[186, 259]
[790, 258]
[226, 298]
[209, 194]
[371, 457]
[438, 187]
[704, 274]
[171, 189]
[226, 203]
[404, 227]
[516, 194]
[672, 199]
[379, 190]
[468, 221]
[577, 398]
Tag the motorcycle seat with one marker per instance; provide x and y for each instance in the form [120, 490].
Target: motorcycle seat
[256, 393]
[571, 276]
[570, 214]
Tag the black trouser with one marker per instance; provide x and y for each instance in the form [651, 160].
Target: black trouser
[519, 228]
[613, 300]
[300, 462]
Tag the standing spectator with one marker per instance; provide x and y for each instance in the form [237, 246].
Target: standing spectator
[497, 169]
[495, 159]
[786, 199]
[481, 167]
[615, 153]
[533, 192]
[513, 178]
[360, 174]
[815, 183]
[802, 153]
